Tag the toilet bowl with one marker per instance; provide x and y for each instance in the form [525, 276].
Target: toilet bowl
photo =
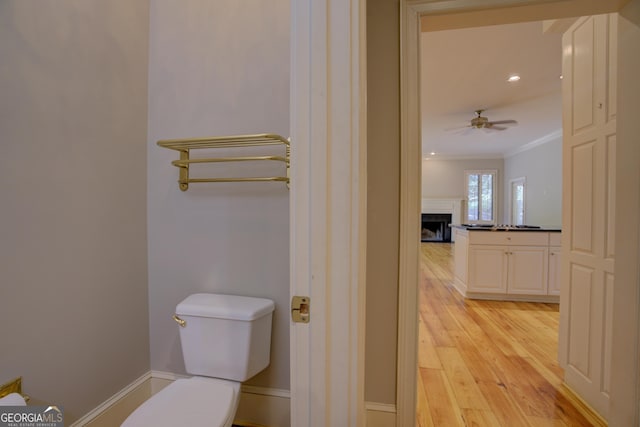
[226, 339]
[193, 402]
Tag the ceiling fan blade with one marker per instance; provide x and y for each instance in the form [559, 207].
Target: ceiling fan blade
[504, 122]
[456, 128]
[490, 129]
[498, 128]
[461, 131]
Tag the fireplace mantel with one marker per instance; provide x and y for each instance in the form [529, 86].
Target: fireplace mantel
[452, 206]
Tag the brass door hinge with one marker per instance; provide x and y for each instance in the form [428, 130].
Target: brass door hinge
[300, 309]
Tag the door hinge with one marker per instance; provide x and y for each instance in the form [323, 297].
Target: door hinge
[300, 309]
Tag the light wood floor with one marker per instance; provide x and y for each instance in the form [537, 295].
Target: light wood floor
[487, 363]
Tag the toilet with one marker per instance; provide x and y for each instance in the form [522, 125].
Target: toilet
[226, 339]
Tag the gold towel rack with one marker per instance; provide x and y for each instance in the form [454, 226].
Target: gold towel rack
[184, 146]
[13, 386]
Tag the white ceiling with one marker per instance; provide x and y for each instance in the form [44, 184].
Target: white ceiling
[465, 70]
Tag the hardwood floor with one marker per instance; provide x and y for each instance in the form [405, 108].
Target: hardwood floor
[487, 363]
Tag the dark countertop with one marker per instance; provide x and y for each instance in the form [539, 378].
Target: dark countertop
[506, 227]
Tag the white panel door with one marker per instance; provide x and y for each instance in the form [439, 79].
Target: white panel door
[589, 127]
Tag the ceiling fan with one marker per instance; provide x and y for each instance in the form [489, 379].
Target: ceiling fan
[480, 122]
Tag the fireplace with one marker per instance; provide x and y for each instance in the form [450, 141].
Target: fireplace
[435, 227]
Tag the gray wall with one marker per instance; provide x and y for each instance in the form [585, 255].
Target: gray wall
[541, 166]
[383, 198]
[217, 68]
[444, 178]
[73, 299]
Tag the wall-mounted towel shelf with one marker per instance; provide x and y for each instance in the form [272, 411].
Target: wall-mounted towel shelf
[13, 386]
[184, 146]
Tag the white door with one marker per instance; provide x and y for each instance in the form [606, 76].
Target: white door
[589, 131]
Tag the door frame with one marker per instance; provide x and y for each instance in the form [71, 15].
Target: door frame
[328, 210]
[411, 12]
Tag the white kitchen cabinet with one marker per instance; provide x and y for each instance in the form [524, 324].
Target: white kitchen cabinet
[460, 255]
[555, 262]
[527, 270]
[518, 270]
[487, 269]
[510, 265]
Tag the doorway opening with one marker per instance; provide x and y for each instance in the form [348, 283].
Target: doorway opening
[410, 123]
[456, 347]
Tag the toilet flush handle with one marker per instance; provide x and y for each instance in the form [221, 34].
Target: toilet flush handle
[180, 321]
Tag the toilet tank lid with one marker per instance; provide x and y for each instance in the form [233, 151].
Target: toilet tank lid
[232, 307]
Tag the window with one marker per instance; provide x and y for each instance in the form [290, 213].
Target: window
[481, 197]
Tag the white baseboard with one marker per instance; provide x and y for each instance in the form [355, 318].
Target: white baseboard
[380, 414]
[258, 405]
[170, 376]
[264, 406]
[123, 401]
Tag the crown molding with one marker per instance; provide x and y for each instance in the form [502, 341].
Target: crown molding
[535, 143]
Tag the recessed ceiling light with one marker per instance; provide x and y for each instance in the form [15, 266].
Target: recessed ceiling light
[513, 78]
[433, 153]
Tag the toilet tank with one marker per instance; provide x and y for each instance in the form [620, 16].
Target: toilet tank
[225, 336]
